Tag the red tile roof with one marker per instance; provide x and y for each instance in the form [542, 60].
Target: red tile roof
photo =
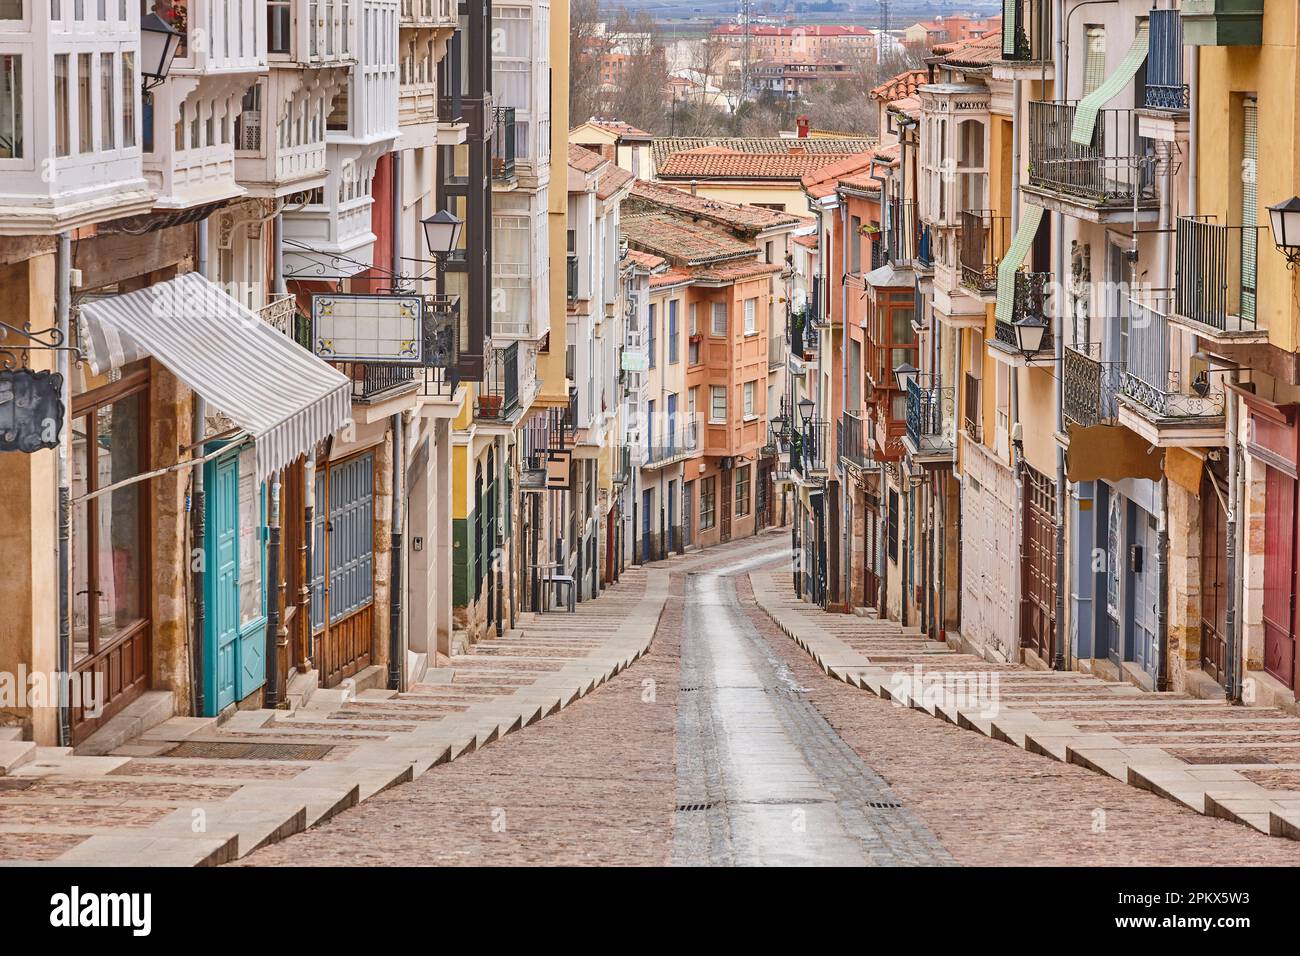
[682, 242]
[809, 242]
[583, 159]
[646, 260]
[823, 182]
[665, 146]
[745, 165]
[619, 128]
[670, 277]
[732, 271]
[733, 215]
[987, 49]
[612, 180]
[904, 84]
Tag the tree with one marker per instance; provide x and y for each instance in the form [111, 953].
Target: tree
[588, 45]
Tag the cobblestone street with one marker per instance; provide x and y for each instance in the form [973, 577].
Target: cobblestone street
[727, 744]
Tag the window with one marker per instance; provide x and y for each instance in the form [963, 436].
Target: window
[708, 501]
[855, 244]
[1094, 67]
[85, 112]
[692, 399]
[651, 322]
[12, 10]
[892, 536]
[749, 400]
[742, 491]
[673, 333]
[107, 90]
[61, 130]
[278, 26]
[751, 316]
[717, 403]
[11, 107]
[128, 99]
[719, 318]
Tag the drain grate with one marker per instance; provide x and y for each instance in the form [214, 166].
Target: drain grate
[884, 805]
[692, 807]
[686, 689]
[231, 750]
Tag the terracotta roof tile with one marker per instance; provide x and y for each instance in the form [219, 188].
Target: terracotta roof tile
[664, 147]
[808, 242]
[745, 165]
[904, 84]
[646, 260]
[682, 242]
[730, 271]
[619, 128]
[822, 182]
[670, 277]
[586, 160]
[980, 52]
[735, 216]
[612, 180]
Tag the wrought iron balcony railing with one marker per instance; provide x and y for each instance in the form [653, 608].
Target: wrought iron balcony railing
[680, 441]
[802, 339]
[503, 142]
[1151, 382]
[371, 381]
[498, 394]
[902, 230]
[1215, 274]
[815, 311]
[1029, 303]
[972, 411]
[1027, 30]
[1115, 168]
[808, 449]
[930, 418]
[1089, 386]
[1165, 89]
[279, 313]
[850, 432]
[983, 243]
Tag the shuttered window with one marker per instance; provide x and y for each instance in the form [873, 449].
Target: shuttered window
[1094, 68]
[1249, 205]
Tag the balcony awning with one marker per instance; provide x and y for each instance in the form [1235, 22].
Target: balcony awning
[1110, 453]
[1030, 217]
[283, 396]
[1085, 113]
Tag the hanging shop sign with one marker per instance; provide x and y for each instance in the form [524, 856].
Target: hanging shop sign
[378, 329]
[31, 409]
[557, 469]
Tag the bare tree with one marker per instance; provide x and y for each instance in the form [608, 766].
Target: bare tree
[588, 45]
[639, 96]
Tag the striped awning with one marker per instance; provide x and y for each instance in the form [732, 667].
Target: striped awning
[1030, 217]
[1085, 113]
[282, 395]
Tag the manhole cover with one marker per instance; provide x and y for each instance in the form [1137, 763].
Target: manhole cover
[691, 807]
[231, 750]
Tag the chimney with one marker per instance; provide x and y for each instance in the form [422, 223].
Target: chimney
[694, 185]
[801, 124]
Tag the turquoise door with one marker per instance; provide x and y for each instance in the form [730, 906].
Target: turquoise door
[235, 639]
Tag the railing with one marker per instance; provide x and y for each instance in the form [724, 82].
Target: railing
[902, 230]
[849, 434]
[571, 277]
[371, 381]
[279, 313]
[1029, 303]
[1113, 169]
[1089, 387]
[814, 310]
[972, 413]
[503, 142]
[680, 442]
[498, 394]
[1151, 382]
[808, 453]
[1165, 89]
[1215, 274]
[929, 409]
[983, 243]
[1026, 30]
[622, 463]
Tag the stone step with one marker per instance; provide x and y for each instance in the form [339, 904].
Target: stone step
[15, 753]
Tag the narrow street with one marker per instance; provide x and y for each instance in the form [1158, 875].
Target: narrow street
[726, 744]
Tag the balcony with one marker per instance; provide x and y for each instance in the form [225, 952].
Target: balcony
[328, 234]
[1027, 32]
[373, 382]
[680, 442]
[808, 449]
[1215, 292]
[1029, 303]
[571, 277]
[1223, 22]
[930, 422]
[851, 440]
[1165, 88]
[902, 231]
[1167, 396]
[815, 313]
[280, 313]
[1102, 180]
[498, 393]
[503, 144]
[983, 242]
[972, 411]
[1090, 387]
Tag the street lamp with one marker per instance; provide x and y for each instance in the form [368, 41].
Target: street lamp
[1284, 218]
[905, 375]
[441, 232]
[806, 406]
[1029, 334]
[159, 42]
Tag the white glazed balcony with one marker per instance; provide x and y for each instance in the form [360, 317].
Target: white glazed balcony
[79, 164]
[330, 235]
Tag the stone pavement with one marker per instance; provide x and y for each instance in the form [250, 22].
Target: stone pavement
[1238, 763]
[194, 791]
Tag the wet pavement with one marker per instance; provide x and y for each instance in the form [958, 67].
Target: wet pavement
[762, 779]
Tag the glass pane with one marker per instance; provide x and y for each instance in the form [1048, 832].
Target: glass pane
[250, 540]
[80, 542]
[85, 136]
[11, 107]
[118, 516]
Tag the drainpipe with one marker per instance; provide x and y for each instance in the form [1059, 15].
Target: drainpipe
[846, 536]
[63, 307]
[395, 164]
[1058, 398]
[1232, 679]
[198, 514]
[500, 523]
[281, 287]
[271, 698]
[395, 572]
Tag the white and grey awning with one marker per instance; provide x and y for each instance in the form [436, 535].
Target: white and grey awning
[282, 395]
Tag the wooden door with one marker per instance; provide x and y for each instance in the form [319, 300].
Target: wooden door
[1145, 594]
[1214, 581]
[725, 533]
[223, 590]
[1038, 562]
[1279, 575]
[343, 567]
[688, 511]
